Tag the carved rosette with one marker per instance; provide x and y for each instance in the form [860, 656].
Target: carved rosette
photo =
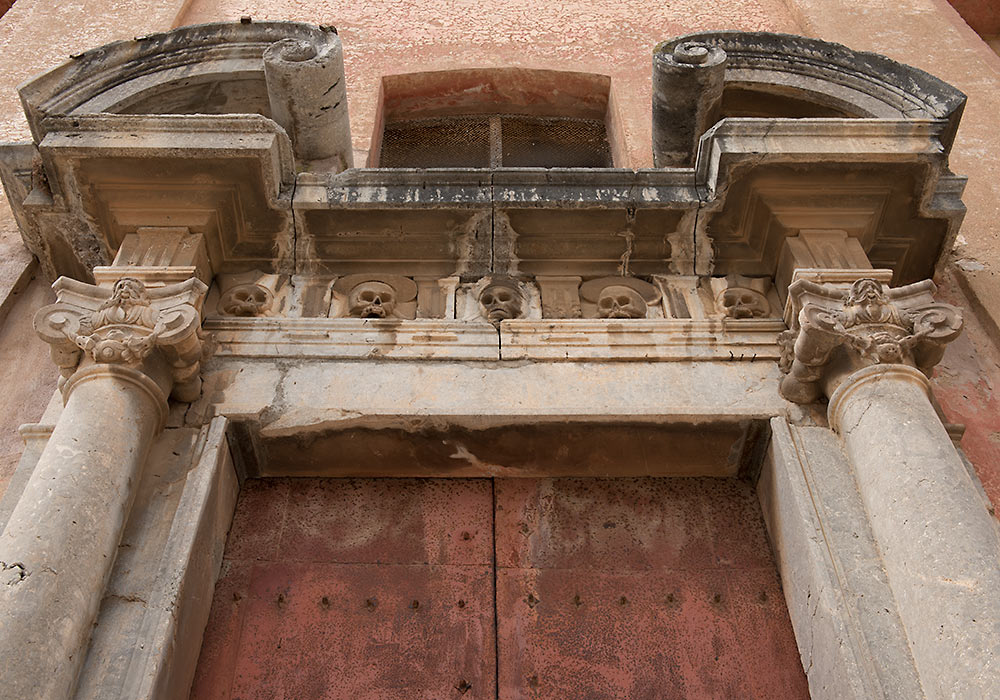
[871, 324]
[125, 325]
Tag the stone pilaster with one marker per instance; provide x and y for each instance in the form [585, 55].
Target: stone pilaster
[869, 350]
[122, 351]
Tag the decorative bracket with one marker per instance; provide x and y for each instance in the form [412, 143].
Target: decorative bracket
[871, 324]
[124, 325]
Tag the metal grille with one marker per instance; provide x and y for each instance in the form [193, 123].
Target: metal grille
[531, 142]
[468, 142]
[455, 142]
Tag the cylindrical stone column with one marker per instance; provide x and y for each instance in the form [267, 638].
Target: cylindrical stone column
[61, 539]
[939, 543]
[688, 78]
[308, 97]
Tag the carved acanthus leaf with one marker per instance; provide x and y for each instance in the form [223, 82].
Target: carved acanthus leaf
[875, 326]
[125, 324]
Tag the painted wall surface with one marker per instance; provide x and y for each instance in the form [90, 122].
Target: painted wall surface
[611, 38]
[389, 588]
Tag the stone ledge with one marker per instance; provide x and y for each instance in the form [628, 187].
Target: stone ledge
[571, 339]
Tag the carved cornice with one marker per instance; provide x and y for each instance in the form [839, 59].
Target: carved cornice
[870, 324]
[124, 325]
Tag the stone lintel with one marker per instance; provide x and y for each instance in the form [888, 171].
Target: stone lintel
[476, 394]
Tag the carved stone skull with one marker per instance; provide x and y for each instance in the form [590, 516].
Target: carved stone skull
[620, 301]
[245, 300]
[501, 301]
[371, 300]
[739, 302]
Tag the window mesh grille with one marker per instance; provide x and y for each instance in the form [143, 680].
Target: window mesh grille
[455, 142]
[554, 143]
[524, 142]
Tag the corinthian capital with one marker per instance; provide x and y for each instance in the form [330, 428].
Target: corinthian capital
[864, 325]
[125, 325]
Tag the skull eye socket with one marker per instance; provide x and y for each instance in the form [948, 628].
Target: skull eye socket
[623, 301]
[504, 296]
[487, 299]
[367, 295]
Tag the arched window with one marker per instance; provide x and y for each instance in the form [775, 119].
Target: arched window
[492, 118]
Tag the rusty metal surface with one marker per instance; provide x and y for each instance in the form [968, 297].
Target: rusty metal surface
[639, 588]
[342, 588]
[612, 588]
[317, 630]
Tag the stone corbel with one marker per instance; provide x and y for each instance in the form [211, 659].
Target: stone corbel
[124, 325]
[836, 331]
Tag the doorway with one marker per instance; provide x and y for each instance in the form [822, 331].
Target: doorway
[498, 588]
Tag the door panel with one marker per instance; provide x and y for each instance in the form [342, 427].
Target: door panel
[602, 588]
[393, 631]
[639, 588]
[354, 588]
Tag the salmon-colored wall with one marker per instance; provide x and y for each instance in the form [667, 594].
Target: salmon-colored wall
[982, 15]
[607, 38]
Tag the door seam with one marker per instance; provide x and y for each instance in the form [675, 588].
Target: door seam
[496, 615]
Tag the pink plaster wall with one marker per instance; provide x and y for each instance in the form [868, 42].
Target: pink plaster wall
[608, 38]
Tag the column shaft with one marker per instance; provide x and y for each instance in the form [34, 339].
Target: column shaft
[62, 537]
[939, 543]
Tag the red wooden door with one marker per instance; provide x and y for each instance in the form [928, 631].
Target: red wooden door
[390, 588]
[354, 588]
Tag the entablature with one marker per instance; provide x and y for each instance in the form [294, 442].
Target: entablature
[760, 141]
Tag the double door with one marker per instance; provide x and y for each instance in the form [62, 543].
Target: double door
[487, 588]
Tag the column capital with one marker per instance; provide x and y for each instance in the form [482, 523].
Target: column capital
[837, 330]
[128, 326]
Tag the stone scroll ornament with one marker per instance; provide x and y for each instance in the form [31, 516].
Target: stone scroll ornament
[872, 325]
[124, 325]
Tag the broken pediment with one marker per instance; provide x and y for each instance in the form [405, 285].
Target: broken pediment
[238, 133]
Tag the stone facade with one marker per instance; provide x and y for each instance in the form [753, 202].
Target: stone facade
[241, 291]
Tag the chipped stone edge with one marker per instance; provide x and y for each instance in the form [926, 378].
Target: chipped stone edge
[163, 665]
[843, 655]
